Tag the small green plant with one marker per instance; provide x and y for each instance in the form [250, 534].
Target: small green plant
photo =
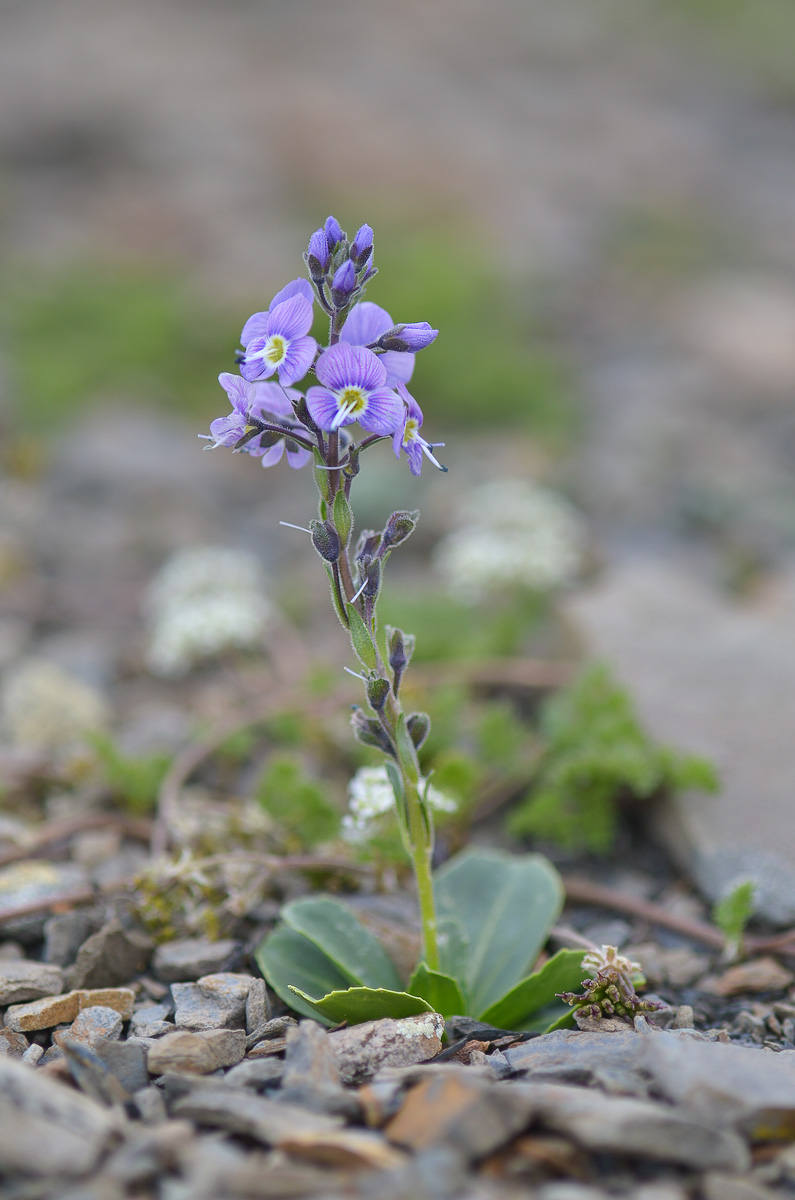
[732, 914]
[596, 754]
[133, 782]
[299, 804]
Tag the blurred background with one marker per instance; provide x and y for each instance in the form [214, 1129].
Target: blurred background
[593, 201]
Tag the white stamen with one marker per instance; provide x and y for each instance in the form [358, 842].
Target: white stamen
[290, 525]
[353, 599]
[355, 674]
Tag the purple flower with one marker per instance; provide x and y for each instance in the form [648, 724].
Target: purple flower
[277, 340]
[272, 446]
[364, 326]
[333, 232]
[407, 437]
[343, 285]
[226, 431]
[354, 390]
[415, 336]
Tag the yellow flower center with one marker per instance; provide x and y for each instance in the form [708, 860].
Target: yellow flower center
[352, 401]
[275, 349]
[411, 430]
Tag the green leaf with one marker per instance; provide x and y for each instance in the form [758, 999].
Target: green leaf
[507, 905]
[453, 946]
[334, 929]
[563, 973]
[360, 638]
[342, 516]
[286, 959]
[358, 1004]
[442, 992]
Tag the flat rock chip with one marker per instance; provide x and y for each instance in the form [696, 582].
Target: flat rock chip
[12, 1044]
[612, 1061]
[633, 1127]
[111, 956]
[363, 1049]
[120, 999]
[715, 1185]
[748, 1089]
[758, 975]
[474, 1116]
[46, 1128]
[268, 1121]
[196, 1053]
[44, 1013]
[20, 981]
[127, 1062]
[344, 1148]
[213, 1002]
[90, 1026]
[188, 959]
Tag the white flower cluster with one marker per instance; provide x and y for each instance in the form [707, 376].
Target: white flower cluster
[370, 795]
[607, 957]
[205, 600]
[516, 534]
[44, 706]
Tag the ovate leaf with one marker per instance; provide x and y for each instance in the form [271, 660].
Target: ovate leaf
[286, 958]
[334, 929]
[358, 1004]
[441, 991]
[563, 973]
[507, 906]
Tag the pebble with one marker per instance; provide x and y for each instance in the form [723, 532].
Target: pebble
[12, 1044]
[196, 1052]
[757, 975]
[119, 999]
[90, 1026]
[127, 1062]
[21, 981]
[719, 1186]
[65, 933]
[151, 1020]
[43, 1014]
[363, 1049]
[256, 1073]
[92, 1075]
[213, 1002]
[267, 1121]
[610, 1061]
[47, 1129]
[187, 959]
[257, 1008]
[641, 1128]
[111, 956]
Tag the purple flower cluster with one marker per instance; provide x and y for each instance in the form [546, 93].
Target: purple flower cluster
[361, 374]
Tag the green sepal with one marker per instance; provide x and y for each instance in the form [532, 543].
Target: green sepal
[360, 638]
[441, 991]
[562, 973]
[342, 516]
[358, 1004]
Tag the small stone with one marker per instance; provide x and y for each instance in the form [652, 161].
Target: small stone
[267, 1121]
[610, 1061]
[111, 956]
[13, 1045]
[150, 1104]
[270, 1048]
[352, 1148]
[257, 1009]
[718, 1186]
[91, 1025]
[213, 1002]
[198, 1053]
[256, 1073]
[737, 1086]
[363, 1049]
[642, 1128]
[43, 1014]
[189, 958]
[21, 981]
[275, 1028]
[150, 1020]
[311, 1075]
[92, 1075]
[149, 1154]
[11, 952]
[65, 933]
[32, 1055]
[126, 1061]
[472, 1115]
[758, 975]
[47, 1129]
[119, 999]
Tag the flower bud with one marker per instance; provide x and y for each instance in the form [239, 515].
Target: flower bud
[399, 526]
[408, 337]
[318, 255]
[377, 692]
[325, 539]
[333, 232]
[399, 650]
[367, 546]
[369, 731]
[343, 285]
[419, 726]
[362, 247]
[373, 580]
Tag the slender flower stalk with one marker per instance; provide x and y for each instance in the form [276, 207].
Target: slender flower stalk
[361, 376]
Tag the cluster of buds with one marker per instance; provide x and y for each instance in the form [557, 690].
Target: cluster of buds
[611, 992]
[338, 268]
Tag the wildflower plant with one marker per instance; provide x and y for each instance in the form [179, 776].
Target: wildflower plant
[486, 915]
